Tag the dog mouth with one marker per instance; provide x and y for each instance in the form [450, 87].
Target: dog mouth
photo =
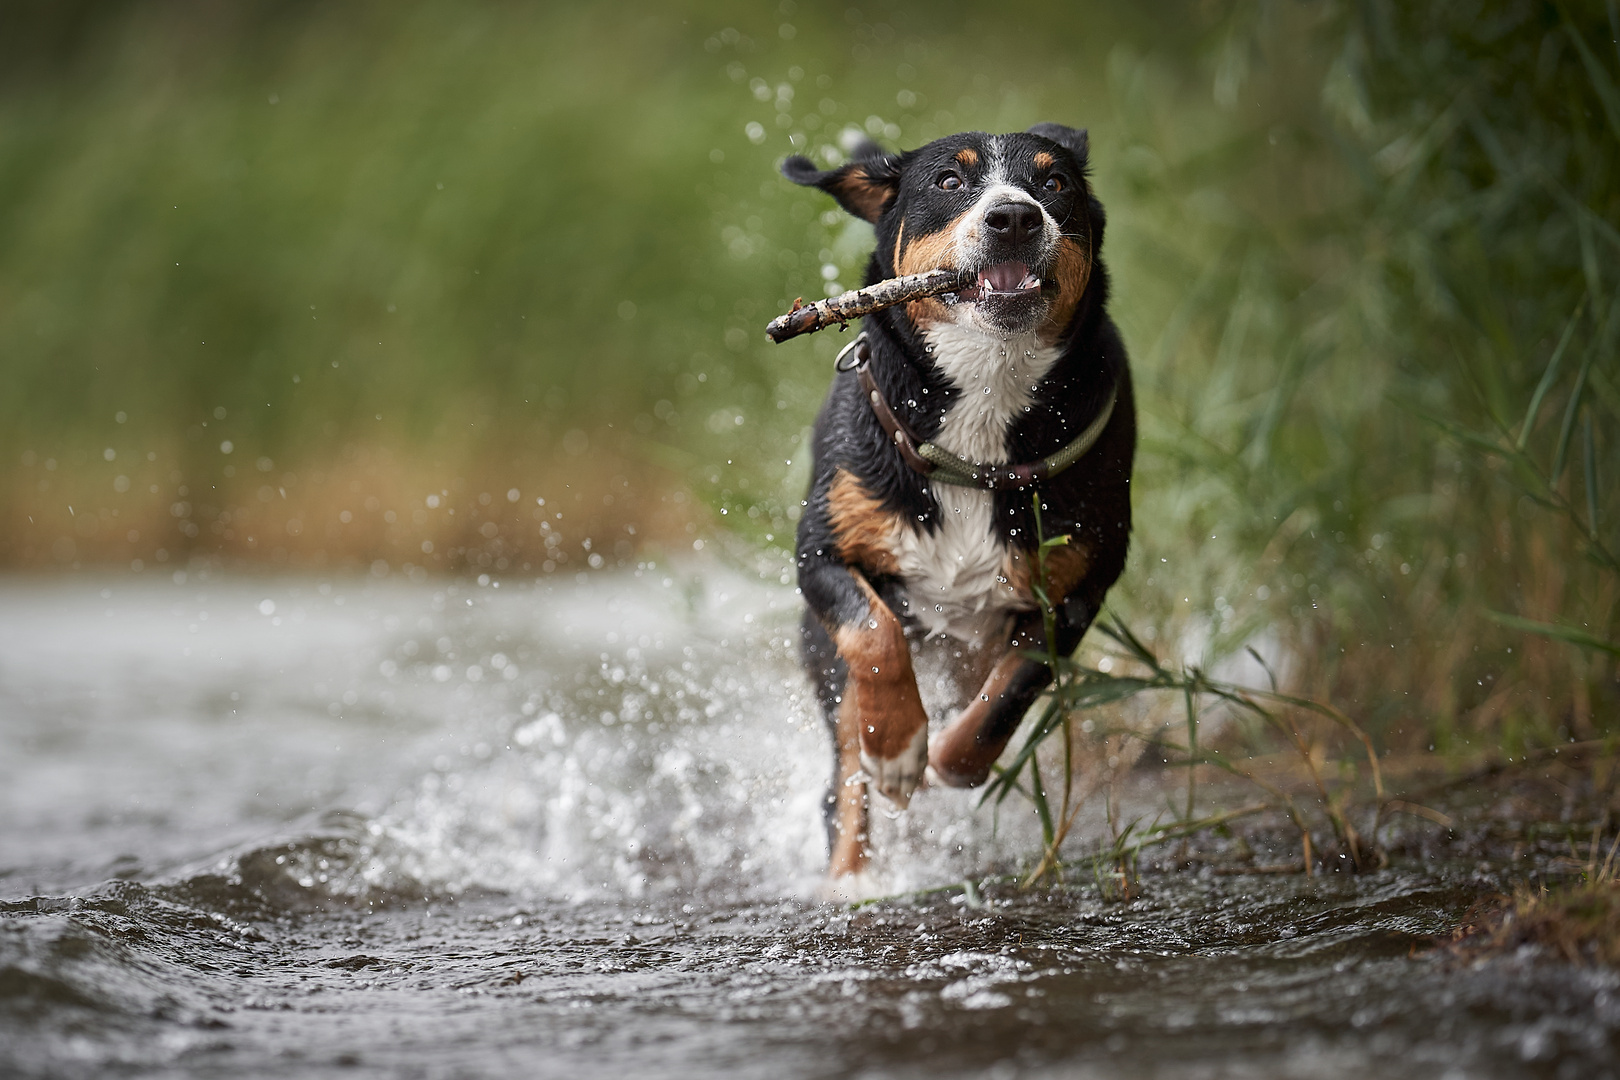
[1004, 280]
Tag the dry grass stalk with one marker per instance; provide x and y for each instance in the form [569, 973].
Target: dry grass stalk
[1579, 923]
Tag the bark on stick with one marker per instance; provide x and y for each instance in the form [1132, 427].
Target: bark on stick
[808, 318]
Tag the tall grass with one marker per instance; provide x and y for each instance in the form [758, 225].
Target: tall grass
[1358, 424]
[440, 248]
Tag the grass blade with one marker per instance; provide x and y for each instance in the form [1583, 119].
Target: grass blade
[1122, 635]
[1589, 467]
[1244, 696]
[1192, 745]
[1570, 412]
[1549, 376]
[1272, 675]
[1037, 788]
[1007, 779]
[1594, 71]
[1483, 443]
[1553, 630]
[1614, 33]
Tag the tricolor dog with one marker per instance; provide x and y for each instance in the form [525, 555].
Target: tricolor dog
[947, 417]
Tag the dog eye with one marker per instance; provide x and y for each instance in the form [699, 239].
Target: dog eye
[948, 181]
[1054, 184]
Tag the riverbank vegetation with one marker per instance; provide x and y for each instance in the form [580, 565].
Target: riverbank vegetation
[447, 289]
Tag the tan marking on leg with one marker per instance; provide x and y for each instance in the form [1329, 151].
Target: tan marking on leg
[973, 665]
[957, 755]
[1043, 160]
[883, 688]
[1066, 567]
[850, 819]
[866, 533]
[1072, 268]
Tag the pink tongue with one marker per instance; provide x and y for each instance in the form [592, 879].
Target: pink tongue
[1004, 277]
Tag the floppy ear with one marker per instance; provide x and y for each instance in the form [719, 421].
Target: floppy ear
[865, 186]
[1074, 140]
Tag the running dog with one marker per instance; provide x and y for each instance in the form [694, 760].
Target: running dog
[949, 415]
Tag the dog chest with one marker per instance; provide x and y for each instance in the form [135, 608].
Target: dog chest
[957, 575]
[960, 573]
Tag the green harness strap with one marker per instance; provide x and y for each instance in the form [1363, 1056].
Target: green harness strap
[950, 469]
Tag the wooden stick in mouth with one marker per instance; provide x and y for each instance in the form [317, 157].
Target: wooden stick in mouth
[808, 318]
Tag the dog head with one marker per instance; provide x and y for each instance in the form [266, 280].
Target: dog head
[1016, 209]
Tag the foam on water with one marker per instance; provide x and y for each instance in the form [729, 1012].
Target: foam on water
[664, 741]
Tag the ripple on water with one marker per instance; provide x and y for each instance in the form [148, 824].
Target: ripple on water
[144, 979]
[588, 849]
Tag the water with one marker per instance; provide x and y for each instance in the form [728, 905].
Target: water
[295, 828]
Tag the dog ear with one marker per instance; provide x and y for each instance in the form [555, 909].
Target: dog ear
[865, 186]
[1074, 140]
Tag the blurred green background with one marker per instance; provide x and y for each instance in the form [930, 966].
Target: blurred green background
[358, 285]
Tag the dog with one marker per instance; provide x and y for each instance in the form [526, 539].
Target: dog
[948, 416]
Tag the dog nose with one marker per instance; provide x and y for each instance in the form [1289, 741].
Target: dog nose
[1015, 222]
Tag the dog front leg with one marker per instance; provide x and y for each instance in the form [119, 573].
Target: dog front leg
[964, 752]
[850, 816]
[880, 708]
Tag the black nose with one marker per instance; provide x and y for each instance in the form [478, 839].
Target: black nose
[1015, 222]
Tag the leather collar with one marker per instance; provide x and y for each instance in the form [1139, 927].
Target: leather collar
[937, 463]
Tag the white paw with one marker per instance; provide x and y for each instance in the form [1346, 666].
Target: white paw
[898, 777]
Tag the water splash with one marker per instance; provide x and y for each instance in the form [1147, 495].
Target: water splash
[629, 735]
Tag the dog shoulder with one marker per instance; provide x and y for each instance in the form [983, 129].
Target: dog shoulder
[865, 531]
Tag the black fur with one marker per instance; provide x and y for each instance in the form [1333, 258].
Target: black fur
[1090, 501]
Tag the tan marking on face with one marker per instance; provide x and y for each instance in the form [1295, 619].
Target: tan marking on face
[925, 253]
[925, 313]
[1072, 269]
[919, 256]
[867, 196]
[1043, 160]
[864, 531]
[882, 684]
[968, 156]
[922, 254]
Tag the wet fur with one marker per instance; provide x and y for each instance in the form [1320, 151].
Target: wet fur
[889, 560]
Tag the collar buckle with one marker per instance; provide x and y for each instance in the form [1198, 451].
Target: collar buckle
[859, 349]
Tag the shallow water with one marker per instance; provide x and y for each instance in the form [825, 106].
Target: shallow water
[296, 828]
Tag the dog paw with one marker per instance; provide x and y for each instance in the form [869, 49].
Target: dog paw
[897, 777]
[851, 888]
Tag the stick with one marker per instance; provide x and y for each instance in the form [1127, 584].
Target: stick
[808, 318]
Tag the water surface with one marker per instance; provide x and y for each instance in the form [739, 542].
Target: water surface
[361, 827]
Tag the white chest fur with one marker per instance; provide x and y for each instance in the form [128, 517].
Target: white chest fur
[956, 574]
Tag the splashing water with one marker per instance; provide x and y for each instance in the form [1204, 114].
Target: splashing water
[573, 828]
[622, 736]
